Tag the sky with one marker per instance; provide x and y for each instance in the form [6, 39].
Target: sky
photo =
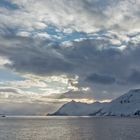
[55, 51]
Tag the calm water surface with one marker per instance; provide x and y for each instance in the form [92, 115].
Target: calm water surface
[69, 128]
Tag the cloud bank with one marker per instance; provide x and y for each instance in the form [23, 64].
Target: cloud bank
[55, 51]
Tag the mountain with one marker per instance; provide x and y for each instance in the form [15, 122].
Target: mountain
[126, 105]
[79, 109]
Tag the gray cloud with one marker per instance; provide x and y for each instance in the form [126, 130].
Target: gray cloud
[134, 77]
[104, 57]
[73, 95]
[97, 60]
[28, 108]
[34, 58]
[101, 79]
[92, 15]
[9, 90]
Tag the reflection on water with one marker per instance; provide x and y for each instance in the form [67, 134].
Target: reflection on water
[69, 128]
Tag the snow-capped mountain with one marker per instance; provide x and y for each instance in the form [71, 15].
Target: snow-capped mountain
[79, 109]
[126, 105]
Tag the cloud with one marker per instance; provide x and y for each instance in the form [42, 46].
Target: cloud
[94, 57]
[57, 46]
[101, 79]
[3, 61]
[81, 15]
[39, 59]
[134, 77]
[12, 90]
[28, 108]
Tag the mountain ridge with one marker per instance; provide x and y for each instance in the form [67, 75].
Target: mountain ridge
[125, 105]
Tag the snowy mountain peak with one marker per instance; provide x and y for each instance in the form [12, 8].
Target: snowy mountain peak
[79, 109]
[72, 102]
[126, 105]
[135, 90]
[130, 97]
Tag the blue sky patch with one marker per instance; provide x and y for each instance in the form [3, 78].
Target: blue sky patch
[8, 5]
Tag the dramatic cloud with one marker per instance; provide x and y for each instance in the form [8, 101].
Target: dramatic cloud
[102, 79]
[59, 50]
[93, 60]
[91, 14]
[134, 77]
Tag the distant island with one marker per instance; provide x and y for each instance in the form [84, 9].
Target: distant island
[126, 105]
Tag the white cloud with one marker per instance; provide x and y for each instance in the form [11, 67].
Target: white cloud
[4, 61]
[23, 34]
[28, 47]
[80, 15]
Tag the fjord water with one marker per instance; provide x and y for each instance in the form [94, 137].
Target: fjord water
[69, 128]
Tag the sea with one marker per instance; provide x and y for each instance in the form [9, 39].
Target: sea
[69, 128]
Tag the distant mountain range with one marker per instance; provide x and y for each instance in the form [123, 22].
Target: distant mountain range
[126, 105]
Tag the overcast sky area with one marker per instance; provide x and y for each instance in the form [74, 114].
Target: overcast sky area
[55, 51]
